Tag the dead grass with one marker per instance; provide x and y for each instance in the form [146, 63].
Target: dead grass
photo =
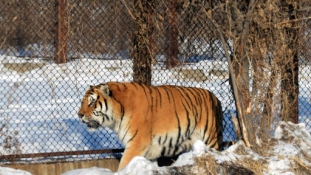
[23, 67]
[205, 165]
[208, 165]
[193, 75]
[301, 168]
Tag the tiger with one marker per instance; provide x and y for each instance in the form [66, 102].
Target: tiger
[153, 121]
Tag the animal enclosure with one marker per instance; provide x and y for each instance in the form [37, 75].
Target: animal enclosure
[51, 51]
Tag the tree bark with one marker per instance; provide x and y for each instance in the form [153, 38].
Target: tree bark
[290, 86]
[142, 52]
[242, 65]
[172, 35]
[240, 129]
[61, 32]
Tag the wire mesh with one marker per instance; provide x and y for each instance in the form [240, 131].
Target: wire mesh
[40, 99]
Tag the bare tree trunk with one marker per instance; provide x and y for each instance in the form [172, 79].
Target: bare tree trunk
[142, 52]
[23, 23]
[172, 35]
[117, 33]
[239, 123]
[61, 32]
[290, 86]
[242, 65]
[289, 105]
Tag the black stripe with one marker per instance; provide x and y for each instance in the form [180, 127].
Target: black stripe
[165, 139]
[106, 104]
[124, 86]
[170, 143]
[122, 116]
[144, 90]
[151, 97]
[103, 117]
[188, 125]
[205, 129]
[134, 84]
[133, 136]
[125, 134]
[118, 86]
[194, 107]
[198, 96]
[207, 96]
[168, 95]
[101, 105]
[175, 149]
[159, 95]
[177, 117]
[163, 151]
[199, 106]
[179, 128]
[188, 101]
[169, 151]
[187, 98]
[107, 118]
[194, 94]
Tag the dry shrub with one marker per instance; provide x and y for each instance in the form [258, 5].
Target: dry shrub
[302, 168]
[208, 165]
[10, 143]
[205, 165]
[265, 56]
[276, 156]
[255, 166]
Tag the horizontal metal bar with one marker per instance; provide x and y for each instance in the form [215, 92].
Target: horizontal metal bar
[52, 154]
[68, 153]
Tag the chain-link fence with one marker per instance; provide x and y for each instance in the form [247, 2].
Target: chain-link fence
[40, 98]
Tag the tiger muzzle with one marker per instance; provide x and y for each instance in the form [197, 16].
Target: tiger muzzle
[92, 124]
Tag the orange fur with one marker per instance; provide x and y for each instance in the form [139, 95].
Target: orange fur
[154, 121]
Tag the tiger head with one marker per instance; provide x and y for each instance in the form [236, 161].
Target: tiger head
[96, 107]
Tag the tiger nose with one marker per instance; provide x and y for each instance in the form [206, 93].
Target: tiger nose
[80, 115]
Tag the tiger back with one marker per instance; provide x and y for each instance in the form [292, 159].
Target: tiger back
[154, 121]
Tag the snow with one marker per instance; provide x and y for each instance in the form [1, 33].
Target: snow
[89, 171]
[11, 171]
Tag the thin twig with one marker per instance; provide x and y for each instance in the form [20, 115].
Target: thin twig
[293, 20]
[129, 11]
[4, 41]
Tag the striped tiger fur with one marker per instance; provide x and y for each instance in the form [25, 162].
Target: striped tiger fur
[154, 121]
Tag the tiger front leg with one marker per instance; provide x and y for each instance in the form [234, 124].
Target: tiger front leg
[130, 152]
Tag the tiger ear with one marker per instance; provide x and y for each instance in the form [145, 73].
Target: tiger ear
[90, 87]
[106, 90]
